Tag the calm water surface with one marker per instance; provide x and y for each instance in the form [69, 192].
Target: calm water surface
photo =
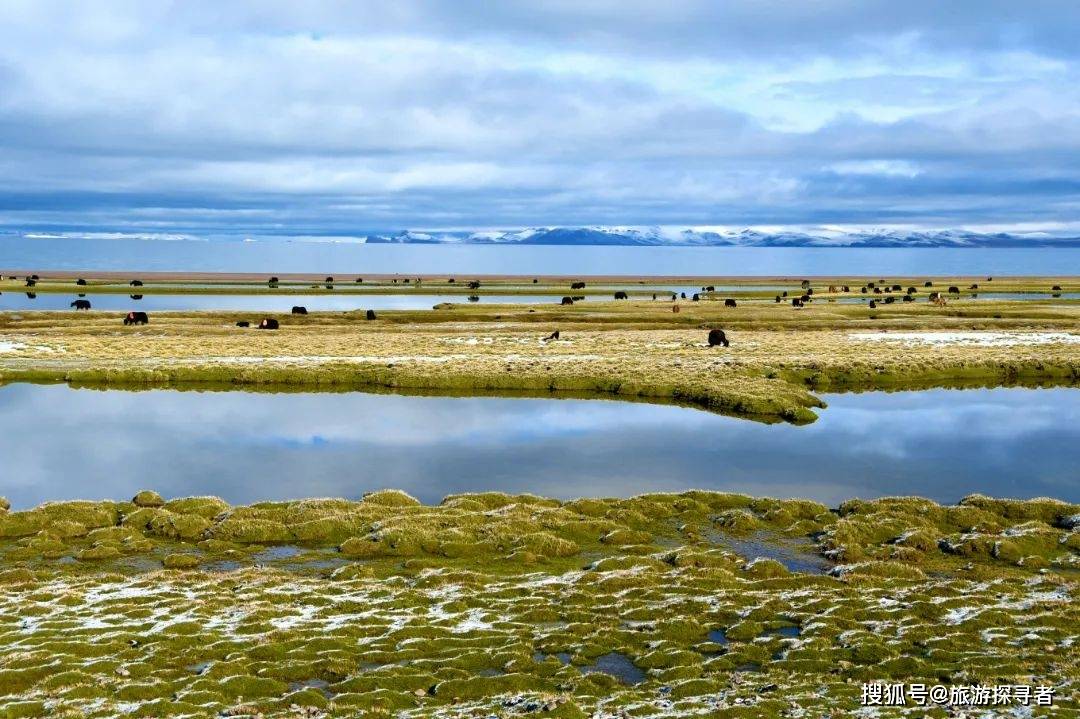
[61, 443]
[354, 259]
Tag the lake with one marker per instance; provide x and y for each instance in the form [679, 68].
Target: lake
[278, 256]
[62, 443]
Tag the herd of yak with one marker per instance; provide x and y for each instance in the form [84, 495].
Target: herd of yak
[716, 337]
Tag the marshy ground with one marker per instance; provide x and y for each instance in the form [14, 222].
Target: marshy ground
[635, 348]
[692, 604]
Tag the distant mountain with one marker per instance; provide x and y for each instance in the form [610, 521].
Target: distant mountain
[663, 236]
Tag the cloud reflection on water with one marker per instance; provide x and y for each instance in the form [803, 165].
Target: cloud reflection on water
[60, 443]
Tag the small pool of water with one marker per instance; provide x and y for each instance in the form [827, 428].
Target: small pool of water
[616, 665]
[62, 443]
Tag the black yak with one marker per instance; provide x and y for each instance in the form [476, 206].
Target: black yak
[80, 282]
[272, 281]
[535, 280]
[709, 288]
[683, 295]
[30, 282]
[243, 323]
[796, 302]
[620, 295]
[928, 283]
[729, 302]
[1056, 288]
[567, 301]
[577, 285]
[136, 318]
[360, 280]
[268, 323]
[81, 304]
[717, 337]
[474, 285]
[136, 283]
[298, 310]
[451, 281]
[909, 298]
[954, 290]
[778, 299]
[553, 336]
[329, 280]
[873, 304]
[370, 314]
[696, 297]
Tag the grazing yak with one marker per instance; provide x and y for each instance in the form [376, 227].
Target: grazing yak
[717, 337]
[81, 304]
[577, 285]
[778, 299]
[578, 298]
[553, 336]
[567, 301]
[654, 296]
[272, 281]
[846, 288]
[298, 310]
[804, 284]
[675, 309]
[909, 298]
[784, 294]
[81, 282]
[890, 300]
[620, 295]
[911, 290]
[974, 287]
[1056, 288]
[683, 295]
[729, 302]
[136, 283]
[796, 302]
[954, 290]
[474, 285]
[451, 281]
[329, 280]
[535, 280]
[268, 323]
[243, 323]
[928, 283]
[370, 314]
[696, 298]
[873, 304]
[30, 282]
[360, 280]
[805, 299]
[709, 288]
[136, 318]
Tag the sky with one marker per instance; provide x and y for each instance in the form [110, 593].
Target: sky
[343, 117]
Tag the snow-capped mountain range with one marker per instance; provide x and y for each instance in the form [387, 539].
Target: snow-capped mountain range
[608, 235]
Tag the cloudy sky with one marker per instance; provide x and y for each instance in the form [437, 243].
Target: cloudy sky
[342, 117]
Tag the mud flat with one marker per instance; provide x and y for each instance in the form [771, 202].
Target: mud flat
[508, 605]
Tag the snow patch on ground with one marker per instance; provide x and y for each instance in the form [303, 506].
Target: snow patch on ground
[980, 339]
